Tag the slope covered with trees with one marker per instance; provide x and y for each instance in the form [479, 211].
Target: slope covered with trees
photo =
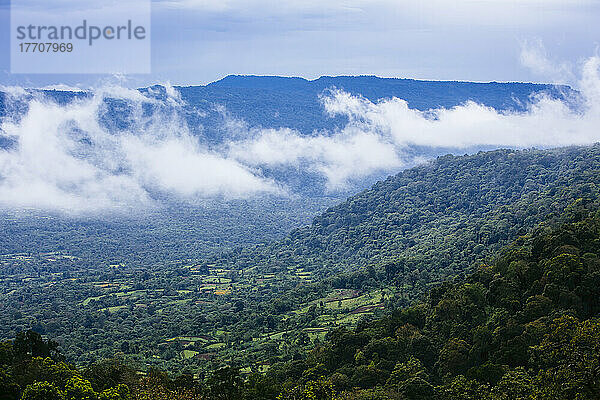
[524, 326]
[434, 220]
[257, 307]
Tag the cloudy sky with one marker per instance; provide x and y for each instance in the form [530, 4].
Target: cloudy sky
[199, 41]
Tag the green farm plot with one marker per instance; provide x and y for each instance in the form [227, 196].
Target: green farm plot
[316, 333]
[332, 303]
[299, 311]
[218, 272]
[193, 339]
[301, 274]
[276, 336]
[270, 336]
[326, 319]
[351, 319]
[181, 301]
[130, 293]
[216, 279]
[87, 301]
[113, 309]
[208, 287]
[371, 298]
[188, 353]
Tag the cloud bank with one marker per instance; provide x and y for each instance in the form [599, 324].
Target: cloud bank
[379, 135]
[66, 159]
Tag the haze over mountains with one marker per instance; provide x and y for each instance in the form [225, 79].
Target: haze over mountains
[253, 134]
[263, 154]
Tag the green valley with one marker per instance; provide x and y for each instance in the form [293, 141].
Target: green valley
[377, 298]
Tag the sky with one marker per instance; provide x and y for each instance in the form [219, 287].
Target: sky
[200, 41]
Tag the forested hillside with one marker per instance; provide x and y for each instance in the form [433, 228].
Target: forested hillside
[522, 327]
[257, 307]
[434, 220]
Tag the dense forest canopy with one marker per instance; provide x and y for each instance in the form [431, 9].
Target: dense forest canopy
[441, 216]
[258, 307]
[524, 326]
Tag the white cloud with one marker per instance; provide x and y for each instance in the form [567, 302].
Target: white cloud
[352, 153]
[535, 57]
[46, 172]
[15, 91]
[378, 134]
[179, 165]
[547, 121]
[66, 160]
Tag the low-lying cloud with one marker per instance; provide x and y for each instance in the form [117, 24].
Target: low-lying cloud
[351, 153]
[65, 159]
[379, 134]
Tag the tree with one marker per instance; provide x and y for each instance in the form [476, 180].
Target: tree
[454, 357]
[312, 390]
[225, 383]
[109, 373]
[9, 390]
[42, 391]
[31, 344]
[119, 392]
[516, 384]
[462, 388]
[78, 388]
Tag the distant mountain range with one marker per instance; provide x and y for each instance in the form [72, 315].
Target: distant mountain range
[294, 103]
[275, 102]
[253, 102]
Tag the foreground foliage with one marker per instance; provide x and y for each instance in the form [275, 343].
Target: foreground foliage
[526, 327]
